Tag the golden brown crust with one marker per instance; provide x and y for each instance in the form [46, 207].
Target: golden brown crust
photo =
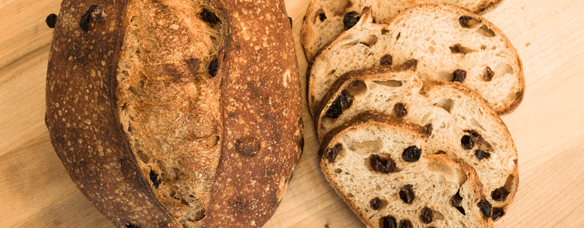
[83, 123]
[259, 116]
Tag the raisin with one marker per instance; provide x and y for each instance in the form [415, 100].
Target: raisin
[500, 194]
[480, 154]
[440, 152]
[497, 213]
[426, 215]
[457, 48]
[213, 66]
[476, 137]
[388, 222]
[130, 225]
[51, 20]
[340, 104]
[386, 60]
[322, 16]
[382, 165]
[459, 75]
[290, 19]
[410, 64]
[467, 21]
[332, 153]
[455, 202]
[412, 154]
[209, 17]
[376, 203]
[466, 142]
[485, 207]
[405, 224]
[488, 75]
[406, 194]
[399, 110]
[84, 21]
[428, 129]
[155, 179]
[351, 19]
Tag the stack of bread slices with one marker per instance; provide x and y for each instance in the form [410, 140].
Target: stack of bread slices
[406, 99]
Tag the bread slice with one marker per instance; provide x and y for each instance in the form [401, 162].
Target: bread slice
[446, 40]
[452, 115]
[324, 18]
[372, 163]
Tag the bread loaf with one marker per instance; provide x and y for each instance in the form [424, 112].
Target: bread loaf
[450, 44]
[460, 123]
[381, 168]
[175, 113]
[325, 19]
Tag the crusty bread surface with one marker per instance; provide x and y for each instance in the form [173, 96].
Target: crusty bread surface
[168, 114]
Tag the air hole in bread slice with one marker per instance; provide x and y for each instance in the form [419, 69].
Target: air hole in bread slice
[349, 44]
[390, 83]
[369, 41]
[364, 147]
[357, 88]
[445, 104]
[338, 171]
[485, 31]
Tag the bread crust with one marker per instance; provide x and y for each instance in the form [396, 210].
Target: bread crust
[258, 87]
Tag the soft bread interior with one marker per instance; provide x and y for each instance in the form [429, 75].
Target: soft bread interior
[434, 180]
[169, 100]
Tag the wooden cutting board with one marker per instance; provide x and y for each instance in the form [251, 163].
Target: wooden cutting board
[548, 127]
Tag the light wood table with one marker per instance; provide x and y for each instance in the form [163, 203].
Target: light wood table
[548, 127]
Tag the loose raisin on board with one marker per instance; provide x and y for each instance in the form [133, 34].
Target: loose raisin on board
[399, 110]
[466, 142]
[376, 203]
[458, 75]
[406, 194]
[426, 215]
[351, 19]
[382, 165]
[51, 20]
[480, 154]
[412, 154]
[386, 60]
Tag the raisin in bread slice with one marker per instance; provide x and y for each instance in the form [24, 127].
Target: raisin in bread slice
[450, 44]
[326, 19]
[460, 123]
[379, 165]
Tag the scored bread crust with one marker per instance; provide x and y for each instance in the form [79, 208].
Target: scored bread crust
[317, 34]
[133, 110]
[374, 119]
[422, 93]
[379, 38]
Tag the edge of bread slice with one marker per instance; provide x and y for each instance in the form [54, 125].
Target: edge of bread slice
[368, 162]
[479, 56]
[324, 18]
[450, 113]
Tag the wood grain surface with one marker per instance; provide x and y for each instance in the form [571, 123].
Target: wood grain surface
[548, 127]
